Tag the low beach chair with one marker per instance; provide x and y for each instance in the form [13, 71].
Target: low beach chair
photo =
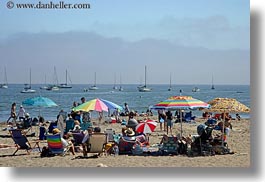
[78, 138]
[96, 143]
[22, 143]
[110, 134]
[55, 145]
[169, 145]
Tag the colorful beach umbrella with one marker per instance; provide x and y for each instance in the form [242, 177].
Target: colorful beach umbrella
[179, 103]
[111, 105]
[92, 105]
[39, 102]
[147, 126]
[226, 105]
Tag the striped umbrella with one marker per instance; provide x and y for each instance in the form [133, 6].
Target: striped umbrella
[92, 105]
[111, 105]
[147, 126]
[179, 103]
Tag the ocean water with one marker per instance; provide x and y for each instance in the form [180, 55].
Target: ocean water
[138, 101]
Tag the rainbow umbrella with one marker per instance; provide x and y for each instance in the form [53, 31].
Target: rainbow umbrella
[179, 103]
[111, 105]
[92, 105]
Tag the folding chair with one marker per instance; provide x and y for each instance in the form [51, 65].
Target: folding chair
[55, 145]
[96, 143]
[22, 142]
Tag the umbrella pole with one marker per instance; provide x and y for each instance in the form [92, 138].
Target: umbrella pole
[223, 129]
[180, 123]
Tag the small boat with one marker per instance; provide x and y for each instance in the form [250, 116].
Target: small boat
[65, 85]
[53, 88]
[45, 87]
[114, 86]
[195, 89]
[94, 87]
[212, 84]
[120, 88]
[27, 87]
[170, 87]
[5, 84]
[144, 88]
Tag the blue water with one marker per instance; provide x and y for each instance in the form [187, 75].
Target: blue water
[138, 101]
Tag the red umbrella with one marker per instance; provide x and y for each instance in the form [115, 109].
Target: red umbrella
[147, 126]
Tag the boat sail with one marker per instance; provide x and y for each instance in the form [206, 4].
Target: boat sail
[65, 85]
[170, 87]
[144, 88]
[212, 84]
[5, 84]
[94, 87]
[27, 88]
[54, 87]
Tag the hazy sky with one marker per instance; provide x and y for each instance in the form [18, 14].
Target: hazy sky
[191, 39]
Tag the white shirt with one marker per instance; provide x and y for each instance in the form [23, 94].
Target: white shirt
[21, 112]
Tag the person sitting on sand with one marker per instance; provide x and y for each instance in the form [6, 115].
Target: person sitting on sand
[66, 143]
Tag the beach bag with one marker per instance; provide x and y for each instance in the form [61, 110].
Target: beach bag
[45, 152]
[162, 120]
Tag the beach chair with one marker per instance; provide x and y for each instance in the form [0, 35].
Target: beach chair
[85, 125]
[169, 145]
[69, 125]
[96, 143]
[22, 143]
[78, 138]
[55, 145]
[110, 134]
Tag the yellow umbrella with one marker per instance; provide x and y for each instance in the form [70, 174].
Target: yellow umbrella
[225, 105]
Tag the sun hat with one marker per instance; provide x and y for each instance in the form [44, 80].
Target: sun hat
[129, 132]
[27, 114]
[21, 105]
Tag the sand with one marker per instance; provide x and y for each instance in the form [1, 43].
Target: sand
[238, 141]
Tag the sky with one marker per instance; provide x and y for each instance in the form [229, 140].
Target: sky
[192, 40]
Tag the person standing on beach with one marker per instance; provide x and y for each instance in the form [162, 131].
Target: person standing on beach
[13, 113]
[21, 113]
[162, 119]
[169, 121]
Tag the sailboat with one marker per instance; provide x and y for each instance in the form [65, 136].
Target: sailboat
[144, 88]
[27, 87]
[114, 86]
[54, 87]
[94, 87]
[212, 84]
[170, 88]
[120, 88]
[65, 85]
[5, 84]
[45, 85]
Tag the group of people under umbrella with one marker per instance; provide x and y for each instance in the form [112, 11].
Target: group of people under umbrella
[174, 103]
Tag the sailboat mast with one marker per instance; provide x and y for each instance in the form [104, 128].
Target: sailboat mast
[5, 77]
[95, 78]
[30, 77]
[145, 76]
[66, 77]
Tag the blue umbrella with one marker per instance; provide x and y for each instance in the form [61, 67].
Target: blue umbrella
[39, 101]
[111, 105]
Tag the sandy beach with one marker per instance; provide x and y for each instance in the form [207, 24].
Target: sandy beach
[238, 142]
